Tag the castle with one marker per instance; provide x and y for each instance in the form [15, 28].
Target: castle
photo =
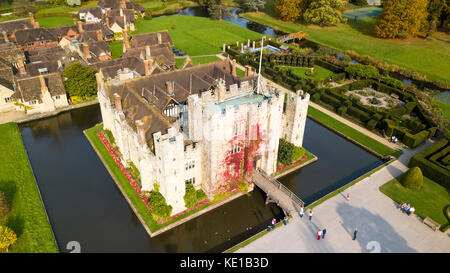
[202, 125]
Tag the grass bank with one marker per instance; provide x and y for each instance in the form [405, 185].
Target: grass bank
[27, 216]
[197, 36]
[429, 201]
[352, 133]
[430, 57]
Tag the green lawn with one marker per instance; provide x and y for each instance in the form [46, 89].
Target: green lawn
[321, 73]
[352, 133]
[445, 108]
[130, 192]
[27, 217]
[430, 57]
[430, 201]
[67, 8]
[197, 35]
[49, 22]
[116, 49]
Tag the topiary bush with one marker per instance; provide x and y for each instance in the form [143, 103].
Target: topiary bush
[160, 209]
[412, 179]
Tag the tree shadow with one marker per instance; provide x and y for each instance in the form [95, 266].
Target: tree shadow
[16, 223]
[371, 227]
[9, 189]
[365, 26]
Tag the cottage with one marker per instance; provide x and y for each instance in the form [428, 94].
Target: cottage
[91, 14]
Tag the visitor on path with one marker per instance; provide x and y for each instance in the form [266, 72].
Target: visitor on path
[286, 220]
[354, 233]
[348, 196]
[274, 222]
[269, 228]
[301, 212]
[411, 210]
[310, 214]
[319, 234]
[324, 231]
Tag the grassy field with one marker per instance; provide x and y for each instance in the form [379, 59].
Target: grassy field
[130, 192]
[430, 57]
[49, 22]
[197, 35]
[27, 217]
[116, 49]
[67, 8]
[430, 201]
[352, 133]
[321, 73]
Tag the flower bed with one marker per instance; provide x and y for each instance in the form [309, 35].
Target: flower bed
[282, 167]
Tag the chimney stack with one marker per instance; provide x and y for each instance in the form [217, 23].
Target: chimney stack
[36, 24]
[99, 35]
[159, 38]
[31, 18]
[148, 64]
[123, 4]
[5, 36]
[233, 72]
[21, 65]
[140, 130]
[148, 54]
[107, 21]
[80, 27]
[75, 21]
[44, 87]
[99, 79]
[118, 102]
[121, 12]
[169, 86]
[248, 71]
[86, 53]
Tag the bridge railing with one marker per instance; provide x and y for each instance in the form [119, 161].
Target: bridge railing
[297, 201]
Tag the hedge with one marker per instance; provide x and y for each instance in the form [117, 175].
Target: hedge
[332, 67]
[413, 141]
[430, 169]
[371, 124]
[355, 112]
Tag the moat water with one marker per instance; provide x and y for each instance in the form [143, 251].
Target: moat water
[84, 204]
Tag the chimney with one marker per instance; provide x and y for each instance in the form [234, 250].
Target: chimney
[99, 35]
[21, 66]
[233, 72]
[123, 5]
[36, 24]
[5, 36]
[86, 53]
[148, 64]
[75, 21]
[159, 38]
[169, 86]
[80, 27]
[43, 84]
[140, 132]
[148, 55]
[118, 102]
[248, 71]
[107, 21]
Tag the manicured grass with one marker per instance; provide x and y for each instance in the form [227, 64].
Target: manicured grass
[197, 35]
[321, 73]
[49, 22]
[430, 201]
[27, 217]
[130, 192]
[116, 49]
[58, 9]
[308, 158]
[430, 57]
[352, 133]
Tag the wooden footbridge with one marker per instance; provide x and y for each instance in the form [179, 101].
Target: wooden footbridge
[278, 193]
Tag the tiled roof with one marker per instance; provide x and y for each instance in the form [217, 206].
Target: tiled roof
[11, 26]
[96, 11]
[139, 40]
[30, 88]
[34, 34]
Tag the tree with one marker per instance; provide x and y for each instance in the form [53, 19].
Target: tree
[290, 10]
[437, 12]
[4, 206]
[7, 237]
[401, 18]
[412, 179]
[80, 80]
[325, 12]
[362, 71]
[216, 8]
[359, 2]
[254, 5]
[159, 207]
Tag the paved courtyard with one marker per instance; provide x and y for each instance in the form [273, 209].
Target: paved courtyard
[382, 227]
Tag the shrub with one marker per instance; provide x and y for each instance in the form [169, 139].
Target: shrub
[362, 71]
[392, 82]
[288, 152]
[7, 237]
[413, 141]
[159, 207]
[412, 179]
[190, 197]
[371, 124]
[243, 187]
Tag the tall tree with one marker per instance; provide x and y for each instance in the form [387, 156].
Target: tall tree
[80, 80]
[402, 18]
[290, 10]
[438, 11]
[325, 12]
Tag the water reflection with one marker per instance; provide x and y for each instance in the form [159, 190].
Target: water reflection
[84, 204]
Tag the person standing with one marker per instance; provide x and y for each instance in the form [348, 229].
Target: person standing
[301, 212]
[318, 234]
[354, 233]
[324, 231]
[310, 214]
[274, 222]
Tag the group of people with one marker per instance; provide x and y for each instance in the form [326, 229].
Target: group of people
[302, 212]
[407, 208]
[274, 222]
[321, 233]
[394, 139]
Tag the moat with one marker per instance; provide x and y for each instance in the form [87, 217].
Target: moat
[84, 204]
